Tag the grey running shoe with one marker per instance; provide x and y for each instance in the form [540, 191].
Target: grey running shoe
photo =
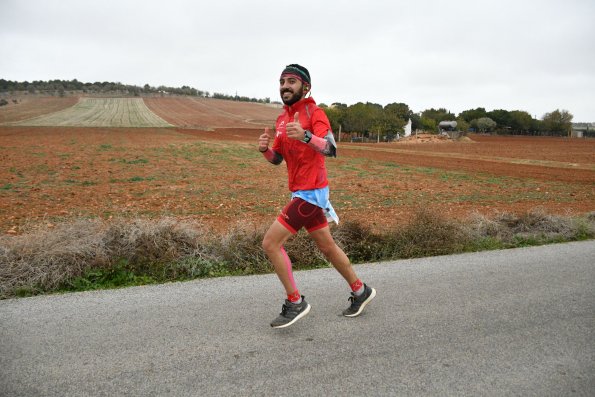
[359, 302]
[290, 313]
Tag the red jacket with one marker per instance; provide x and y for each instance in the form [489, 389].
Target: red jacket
[305, 166]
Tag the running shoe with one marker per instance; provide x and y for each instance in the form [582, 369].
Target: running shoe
[359, 302]
[290, 313]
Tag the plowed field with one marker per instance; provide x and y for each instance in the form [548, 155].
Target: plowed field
[29, 107]
[206, 114]
[100, 112]
[218, 177]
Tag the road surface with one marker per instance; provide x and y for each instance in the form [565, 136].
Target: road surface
[511, 322]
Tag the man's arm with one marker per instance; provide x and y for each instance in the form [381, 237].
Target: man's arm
[263, 147]
[272, 156]
[326, 146]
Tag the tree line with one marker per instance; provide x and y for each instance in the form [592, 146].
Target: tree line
[374, 119]
[61, 87]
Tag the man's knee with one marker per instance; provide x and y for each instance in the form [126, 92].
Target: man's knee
[327, 247]
[271, 243]
[268, 244]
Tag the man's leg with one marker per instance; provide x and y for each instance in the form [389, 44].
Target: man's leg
[272, 244]
[361, 293]
[326, 244]
[295, 307]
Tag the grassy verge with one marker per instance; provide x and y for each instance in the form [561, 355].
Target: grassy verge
[93, 254]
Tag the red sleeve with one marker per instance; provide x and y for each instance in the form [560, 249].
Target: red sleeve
[320, 124]
[278, 142]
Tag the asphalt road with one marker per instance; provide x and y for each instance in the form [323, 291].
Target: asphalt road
[513, 322]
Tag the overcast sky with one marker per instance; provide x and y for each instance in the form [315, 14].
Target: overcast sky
[536, 56]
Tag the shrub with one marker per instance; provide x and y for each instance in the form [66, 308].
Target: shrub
[91, 254]
[240, 249]
[42, 259]
[534, 225]
[152, 247]
[428, 234]
[359, 242]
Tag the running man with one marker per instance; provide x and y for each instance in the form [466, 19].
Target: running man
[303, 139]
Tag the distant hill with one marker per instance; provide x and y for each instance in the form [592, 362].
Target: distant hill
[75, 87]
[159, 111]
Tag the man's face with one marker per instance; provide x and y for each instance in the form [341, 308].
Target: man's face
[291, 89]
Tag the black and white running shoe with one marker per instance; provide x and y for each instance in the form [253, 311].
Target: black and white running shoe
[290, 313]
[359, 302]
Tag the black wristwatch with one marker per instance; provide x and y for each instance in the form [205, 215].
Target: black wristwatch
[307, 136]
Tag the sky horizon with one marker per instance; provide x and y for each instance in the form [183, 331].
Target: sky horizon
[535, 56]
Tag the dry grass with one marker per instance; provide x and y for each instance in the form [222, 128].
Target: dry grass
[535, 224]
[427, 234]
[46, 260]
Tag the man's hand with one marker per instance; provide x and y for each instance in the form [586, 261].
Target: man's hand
[264, 140]
[294, 129]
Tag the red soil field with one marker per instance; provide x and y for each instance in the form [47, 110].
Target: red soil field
[521, 147]
[217, 177]
[545, 158]
[206, 114]
[544, 162]
[28, 107]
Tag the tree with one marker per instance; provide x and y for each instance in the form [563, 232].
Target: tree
[462, 125]
[484, 124]
[473, 114]
[438, 115]
[501, 117]
[395, 117]
[558, 122]
[428, 124]
[335, 117]
[520, 121]
[399, 110]
[361, 117]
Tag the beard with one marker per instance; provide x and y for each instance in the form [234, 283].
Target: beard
[296, 96]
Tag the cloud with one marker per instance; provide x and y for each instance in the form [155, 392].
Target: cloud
[535, 56]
